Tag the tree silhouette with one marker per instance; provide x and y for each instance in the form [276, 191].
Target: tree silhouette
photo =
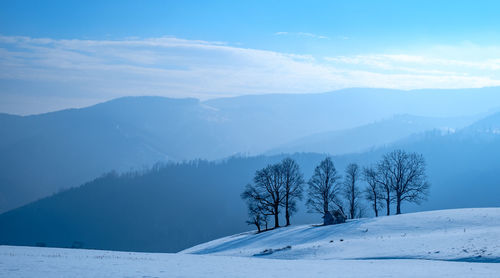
[324, 188]
[405, 174]
[351, 190]
[293, 182]
[374, 191]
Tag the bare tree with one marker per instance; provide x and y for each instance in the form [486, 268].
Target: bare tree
[258, 213]
[405, 174]
[384, 180]
[268, 190]
[373, 192]
[293, 182]
[323, 189]
[351, 190]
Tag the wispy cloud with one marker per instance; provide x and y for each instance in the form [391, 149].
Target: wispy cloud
[394, 61]
[96, 70]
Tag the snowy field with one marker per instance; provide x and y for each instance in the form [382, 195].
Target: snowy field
[53, 262]
[450, 243]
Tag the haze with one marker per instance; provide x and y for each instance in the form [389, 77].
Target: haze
[337, 138]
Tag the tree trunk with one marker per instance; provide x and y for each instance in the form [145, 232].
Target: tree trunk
[352, 210]
[398, 204]
[388, 201]
[276, 218]
[287, 213]
[375, 207]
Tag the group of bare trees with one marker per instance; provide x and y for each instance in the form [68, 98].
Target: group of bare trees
[326, 189]
[398, 177]
[276, 187]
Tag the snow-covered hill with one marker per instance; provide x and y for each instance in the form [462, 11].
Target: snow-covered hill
[447, 243]
[455, 235]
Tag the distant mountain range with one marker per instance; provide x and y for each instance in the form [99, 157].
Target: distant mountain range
[373, 135]
[175, 206]
[43, 154]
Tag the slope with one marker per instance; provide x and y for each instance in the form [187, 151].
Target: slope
[165, 209]
[43, 154]
[452, 235]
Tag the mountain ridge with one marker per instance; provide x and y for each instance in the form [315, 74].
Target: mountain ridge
[67, 148]
[455, 164]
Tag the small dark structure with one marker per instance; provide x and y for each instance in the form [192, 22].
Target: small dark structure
[335, 217]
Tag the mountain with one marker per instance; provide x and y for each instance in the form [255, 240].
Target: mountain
[43, 154]
[46, 153]
[373, 135]
[167, 208]
[174, 206]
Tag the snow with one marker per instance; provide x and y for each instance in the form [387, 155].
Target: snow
[53, 262]
[449, 243]
[452, 235]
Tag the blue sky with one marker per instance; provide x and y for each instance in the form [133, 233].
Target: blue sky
[58, 54]
[369, 25]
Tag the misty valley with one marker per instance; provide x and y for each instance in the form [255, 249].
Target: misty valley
[136, 185]
[220, 138]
